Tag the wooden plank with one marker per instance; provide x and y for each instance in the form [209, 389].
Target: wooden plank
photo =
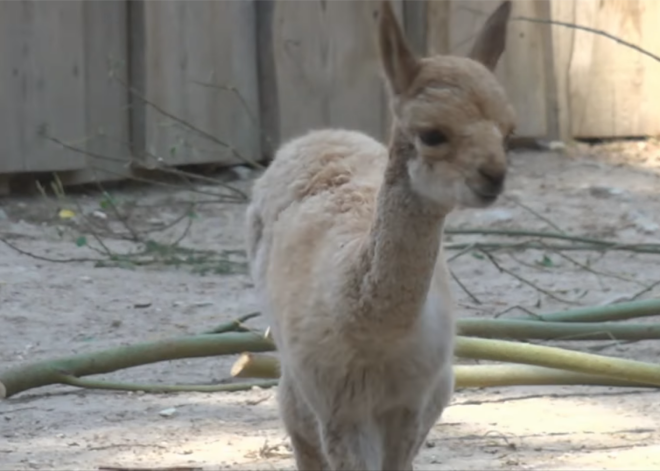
[191, 49]
[438, 27]
[522, 68]
[415, 14]
[613, 89]
[268, 97]
[326, 68]
[562, 47]
[543, 11]
[43, 84]
[106, 96]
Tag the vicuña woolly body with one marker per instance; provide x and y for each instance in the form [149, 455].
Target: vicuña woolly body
[345, 248]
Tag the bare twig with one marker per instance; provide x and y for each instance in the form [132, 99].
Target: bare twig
[47, 259]
[188, 125]
[206, 388]
[158, 166]
[645, 290]
[239, 96]
[461, 253]
[220, 198]
[502, 269]
[134, 236]
[234, 326]
[536, 214]
[463, 287]
[544, 235]
[594, 271]
[590, 30]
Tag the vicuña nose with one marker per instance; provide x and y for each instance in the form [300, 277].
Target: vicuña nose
[494, 176]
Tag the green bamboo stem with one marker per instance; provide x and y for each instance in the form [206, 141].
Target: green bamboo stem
[68, 370]
[255, 365]
[490, 376]
[514, 352]
[613, 312]
[532, 329]
[47, 372]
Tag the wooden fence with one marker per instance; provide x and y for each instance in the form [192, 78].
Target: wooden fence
[91, 87]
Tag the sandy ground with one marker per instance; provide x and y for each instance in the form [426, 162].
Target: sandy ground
[52, 309]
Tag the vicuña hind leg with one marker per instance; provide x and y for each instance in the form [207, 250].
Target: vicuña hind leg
[301, 426]
[352, 444]
[402, 428]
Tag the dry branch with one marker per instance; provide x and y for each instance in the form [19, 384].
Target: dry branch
[588, 29]
[163, 388]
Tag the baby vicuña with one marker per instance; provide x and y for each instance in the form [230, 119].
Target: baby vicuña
[345, 249]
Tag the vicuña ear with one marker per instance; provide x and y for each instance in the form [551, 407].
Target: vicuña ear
[399, 62]
[491, 41]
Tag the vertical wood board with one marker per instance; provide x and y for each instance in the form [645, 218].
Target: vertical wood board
[194, 52]
[326, 67]
[438, 27]
[43, 84]
[562, 50]
[613, 90]
[106, 97]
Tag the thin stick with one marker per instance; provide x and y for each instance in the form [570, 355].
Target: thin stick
[188, 125]
[524, 280]
[590, 30]
[645, 290]
[536, 214]
[233, 326]
[154, 388]
[47, 259]
[598, 273]
[239, 96]
[537, 245]
[463, 287]
[544, 235]
[161, 168]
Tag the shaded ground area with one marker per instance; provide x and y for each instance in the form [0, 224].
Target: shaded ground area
[52, 309]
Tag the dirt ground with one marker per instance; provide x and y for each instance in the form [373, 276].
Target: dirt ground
[52, 309]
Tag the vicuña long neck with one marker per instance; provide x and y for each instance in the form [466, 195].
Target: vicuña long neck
[399, 255]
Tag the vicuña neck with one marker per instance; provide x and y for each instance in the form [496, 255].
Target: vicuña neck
[401, 250]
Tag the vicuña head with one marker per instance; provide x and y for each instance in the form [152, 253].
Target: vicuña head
[451, 112]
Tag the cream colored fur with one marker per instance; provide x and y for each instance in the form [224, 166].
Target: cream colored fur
[344, 243]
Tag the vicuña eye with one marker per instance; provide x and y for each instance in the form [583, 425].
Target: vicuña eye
[432, 137]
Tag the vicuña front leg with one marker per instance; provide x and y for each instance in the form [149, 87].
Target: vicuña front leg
[402, 429]
[352, 444]
[301, 426]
